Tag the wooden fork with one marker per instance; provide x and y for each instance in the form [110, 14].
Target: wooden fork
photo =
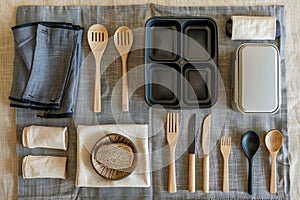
[123, 39]
[225, 150]
[172, 138]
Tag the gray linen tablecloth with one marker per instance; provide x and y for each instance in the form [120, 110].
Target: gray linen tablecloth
[225, 120]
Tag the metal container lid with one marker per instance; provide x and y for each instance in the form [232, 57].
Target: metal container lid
[258, 78]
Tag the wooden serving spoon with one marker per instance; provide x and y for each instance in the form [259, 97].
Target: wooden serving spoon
[273, 142]
[97, 39]
[123, 39]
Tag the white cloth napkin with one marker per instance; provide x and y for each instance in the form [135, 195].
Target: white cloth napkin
[87, 136]
[44, 167]
[45, 137]
[253, 28]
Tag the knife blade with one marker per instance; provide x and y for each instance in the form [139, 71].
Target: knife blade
[192, 135]
[206, 148]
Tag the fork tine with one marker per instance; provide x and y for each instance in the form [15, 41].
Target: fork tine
[176, 123]
[168, 122]
[173, 122]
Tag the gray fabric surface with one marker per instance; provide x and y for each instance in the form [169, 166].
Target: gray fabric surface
[46, 67]
[224, 120]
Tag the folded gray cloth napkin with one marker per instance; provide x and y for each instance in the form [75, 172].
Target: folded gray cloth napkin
[46, 67]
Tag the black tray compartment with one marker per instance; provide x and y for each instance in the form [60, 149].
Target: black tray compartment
[164, 43]
[199, 40]
[199, 88]
[163, 83]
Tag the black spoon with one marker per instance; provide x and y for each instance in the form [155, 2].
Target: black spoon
[250, 144]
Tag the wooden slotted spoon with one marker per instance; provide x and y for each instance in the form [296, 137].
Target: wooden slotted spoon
[97, 39]
[123, 39]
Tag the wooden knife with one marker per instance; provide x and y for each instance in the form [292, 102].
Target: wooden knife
[206, 148]
[192, 135]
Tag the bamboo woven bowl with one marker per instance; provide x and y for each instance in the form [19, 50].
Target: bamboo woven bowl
[108, 173]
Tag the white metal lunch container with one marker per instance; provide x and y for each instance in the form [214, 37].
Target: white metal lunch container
[256, 79]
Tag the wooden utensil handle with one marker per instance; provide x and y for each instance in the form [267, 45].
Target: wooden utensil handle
[172, 186]
[206, 173]
[225, 176]
[273, 186]
[125, 104]
[97, 92]
[191, 172]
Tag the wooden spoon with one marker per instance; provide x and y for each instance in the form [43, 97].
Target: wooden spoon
[97, 39]
[273, 142]
[123, 39]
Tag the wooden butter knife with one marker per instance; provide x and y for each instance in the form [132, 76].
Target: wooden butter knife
[206, 148]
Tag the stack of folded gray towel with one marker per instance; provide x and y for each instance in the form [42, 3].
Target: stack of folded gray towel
[46, 67]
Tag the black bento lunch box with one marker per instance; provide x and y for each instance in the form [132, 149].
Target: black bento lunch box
[181, 57]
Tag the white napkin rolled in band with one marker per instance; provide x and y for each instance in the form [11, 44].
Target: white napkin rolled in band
[253, 28]
[44, 167]
[45, 137]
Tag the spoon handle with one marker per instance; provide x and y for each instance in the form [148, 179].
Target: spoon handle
[273, 188]
[125, 104]
[97, 93]
[250, 177]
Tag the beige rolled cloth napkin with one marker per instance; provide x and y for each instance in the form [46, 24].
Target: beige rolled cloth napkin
[45, 137]
[44, 167]
[253, 28]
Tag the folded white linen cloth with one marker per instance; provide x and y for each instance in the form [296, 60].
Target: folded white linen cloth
[87, 136]
[45, 137]
[44, 167]
[253, 28]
